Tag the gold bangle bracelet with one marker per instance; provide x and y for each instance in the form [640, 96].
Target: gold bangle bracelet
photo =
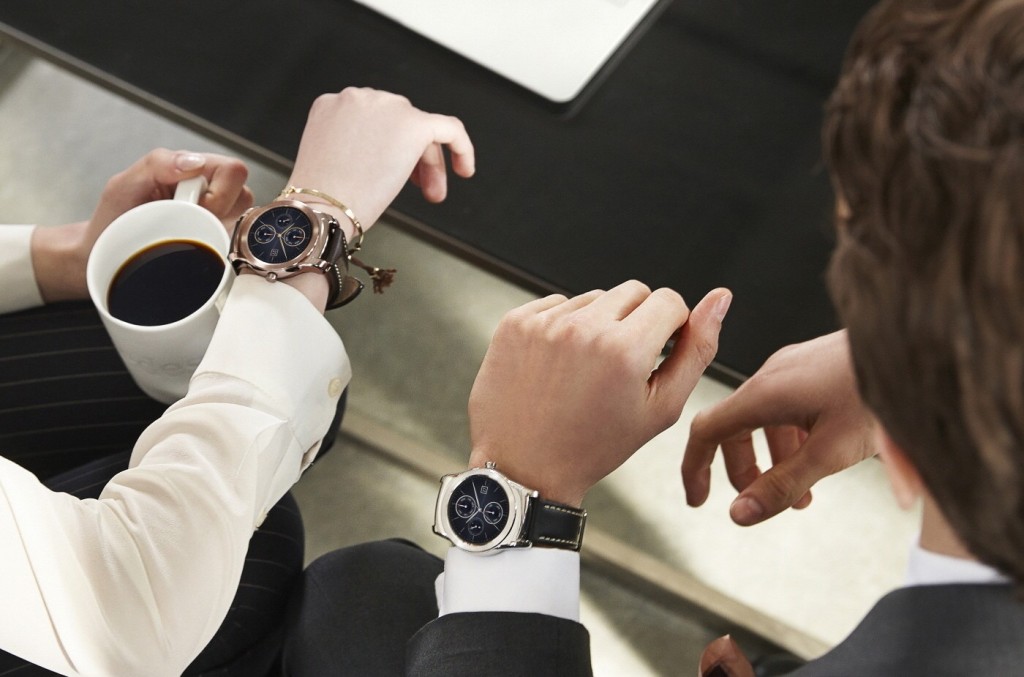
[382, 277]
[358, 243]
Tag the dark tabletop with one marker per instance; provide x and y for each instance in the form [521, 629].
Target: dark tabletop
[694, 162]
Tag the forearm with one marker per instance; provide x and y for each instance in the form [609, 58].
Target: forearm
[138, 581]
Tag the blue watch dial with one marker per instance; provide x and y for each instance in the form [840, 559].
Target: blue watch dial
[280, 235]
[478, 510]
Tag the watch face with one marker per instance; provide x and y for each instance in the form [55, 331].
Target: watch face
[478, 510]
[280, 234]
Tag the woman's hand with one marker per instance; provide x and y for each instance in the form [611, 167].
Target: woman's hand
[60, 253]
[360, 147]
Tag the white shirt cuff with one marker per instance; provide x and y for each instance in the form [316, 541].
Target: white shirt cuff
[259, 312]
[527, 580]
[17, 277]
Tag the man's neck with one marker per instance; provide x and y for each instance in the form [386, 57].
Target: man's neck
[936, 534]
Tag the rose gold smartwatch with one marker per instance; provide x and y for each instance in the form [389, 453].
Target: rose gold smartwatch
[288, 237]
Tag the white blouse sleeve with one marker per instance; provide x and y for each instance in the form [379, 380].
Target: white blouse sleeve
[18, 289]
[138, 581]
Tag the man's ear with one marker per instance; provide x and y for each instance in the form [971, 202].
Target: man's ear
[906, 481]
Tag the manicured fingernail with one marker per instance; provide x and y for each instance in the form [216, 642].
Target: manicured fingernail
[745, 511]
[722, 307]
[186, 162]
[715, 671]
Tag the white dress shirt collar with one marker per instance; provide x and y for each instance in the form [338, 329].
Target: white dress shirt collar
[930, 568]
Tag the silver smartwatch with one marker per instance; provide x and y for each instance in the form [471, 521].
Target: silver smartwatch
[481, 510]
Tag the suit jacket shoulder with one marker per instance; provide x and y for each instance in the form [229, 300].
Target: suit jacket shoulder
[933, 630]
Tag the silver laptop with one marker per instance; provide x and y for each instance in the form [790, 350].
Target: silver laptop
[553, 47]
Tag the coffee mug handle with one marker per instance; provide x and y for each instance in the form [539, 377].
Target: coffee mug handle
[190, 190]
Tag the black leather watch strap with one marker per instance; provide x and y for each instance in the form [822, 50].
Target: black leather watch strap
[555, 525]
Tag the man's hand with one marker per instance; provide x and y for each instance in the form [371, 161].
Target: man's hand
[362, 145]
[805, 398]
[569, 388]
[723, 657]
[60, 253]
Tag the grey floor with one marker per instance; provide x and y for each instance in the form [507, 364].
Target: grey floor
[416, 350]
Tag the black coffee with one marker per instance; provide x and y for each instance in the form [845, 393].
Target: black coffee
[165, 282]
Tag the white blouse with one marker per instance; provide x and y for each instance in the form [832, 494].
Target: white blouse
[138, 581]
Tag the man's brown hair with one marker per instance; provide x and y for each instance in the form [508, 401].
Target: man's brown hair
[924, 136]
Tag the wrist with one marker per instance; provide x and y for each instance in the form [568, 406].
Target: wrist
[323, 201]
[353, 231]
[540, 479]
[59, 257]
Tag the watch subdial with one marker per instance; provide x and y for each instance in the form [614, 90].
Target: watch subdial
[294, 236]
[465, 507]
[493, 512]
[263, 233]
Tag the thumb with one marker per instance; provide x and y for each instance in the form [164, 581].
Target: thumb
[724, 658]
[785, 485]
[695, 348]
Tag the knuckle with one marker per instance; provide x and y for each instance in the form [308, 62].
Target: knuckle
[159, 154]
[759, 382]
[456, 123]
[706, 350]
[618, 352]
[668, 415]
[779, 357]
[150, 162]
[780, 487]
[669, 295]
[238, 169]
[517, 322]
[766, 386]
[114, 182]
[511, 321]
[637, 287]
[699, 425]
[744, 474]
[327, 99]
[565, 330]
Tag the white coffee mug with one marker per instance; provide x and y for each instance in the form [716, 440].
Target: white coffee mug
[161, 358]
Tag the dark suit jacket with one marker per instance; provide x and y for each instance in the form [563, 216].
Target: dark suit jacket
[925, 630]
[933, 630]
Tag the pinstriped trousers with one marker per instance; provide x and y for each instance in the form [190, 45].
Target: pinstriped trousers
[70, 413]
